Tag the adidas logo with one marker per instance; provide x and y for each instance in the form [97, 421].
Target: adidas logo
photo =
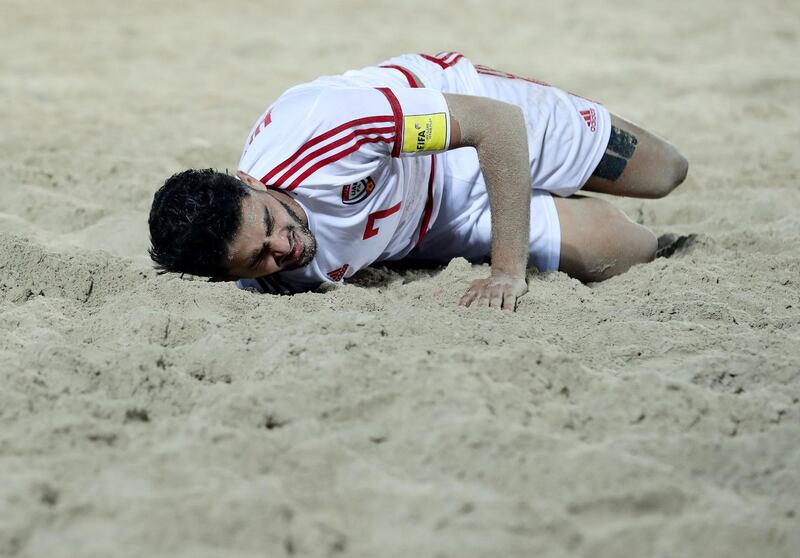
[338, 274]
[590, 117]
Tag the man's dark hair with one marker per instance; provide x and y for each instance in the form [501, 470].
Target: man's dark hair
[193, 219]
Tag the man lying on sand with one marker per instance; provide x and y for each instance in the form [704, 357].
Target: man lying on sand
[365, 167]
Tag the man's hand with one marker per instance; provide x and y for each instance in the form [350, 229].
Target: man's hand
[499, 290]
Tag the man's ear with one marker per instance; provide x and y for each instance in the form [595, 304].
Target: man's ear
[250, 181]
[221, 278]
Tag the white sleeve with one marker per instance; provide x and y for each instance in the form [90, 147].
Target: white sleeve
[408, 121]
[422, 121]
[326, 136]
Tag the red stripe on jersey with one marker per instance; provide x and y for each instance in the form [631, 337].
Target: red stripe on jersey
[500, 73]
[403, 71]
[435, 60]
[330, 147]
[444, 59]
[426, 215]
[314, 141]
[486, 70]
[335, 157]
[450, 58]
[455, 60]
[397, 111]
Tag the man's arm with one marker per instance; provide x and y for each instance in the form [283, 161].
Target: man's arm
[497, 131]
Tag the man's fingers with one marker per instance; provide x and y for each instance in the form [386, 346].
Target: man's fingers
[472, 293]
[509, 302]
[486, 292]
[468, 297]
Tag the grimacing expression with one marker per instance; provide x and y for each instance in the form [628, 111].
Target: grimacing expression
[272, 237]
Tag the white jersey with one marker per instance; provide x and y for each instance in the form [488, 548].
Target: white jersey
[356, 153]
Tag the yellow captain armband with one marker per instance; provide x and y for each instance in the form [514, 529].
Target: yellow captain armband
[424, 132]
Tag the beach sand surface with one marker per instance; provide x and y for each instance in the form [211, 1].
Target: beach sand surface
[654, 414]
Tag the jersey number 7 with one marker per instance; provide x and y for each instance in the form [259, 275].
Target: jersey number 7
[371, 230]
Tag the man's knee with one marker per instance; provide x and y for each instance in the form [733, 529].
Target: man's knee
[599, 241]
[679, 169]
[646, 245]
[673, 172]
[635, 245]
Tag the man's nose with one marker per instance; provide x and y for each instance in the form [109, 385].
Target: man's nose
[281, 246]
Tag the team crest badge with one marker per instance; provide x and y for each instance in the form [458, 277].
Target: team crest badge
[338, 274]
[357, 191]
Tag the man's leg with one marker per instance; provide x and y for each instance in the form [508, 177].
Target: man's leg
[637, 163]
[598, 240]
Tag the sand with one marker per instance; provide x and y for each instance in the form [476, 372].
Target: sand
[654, 414]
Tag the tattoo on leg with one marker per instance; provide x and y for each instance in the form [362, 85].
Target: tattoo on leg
[621, 146]
[622, 143]
[610, 167]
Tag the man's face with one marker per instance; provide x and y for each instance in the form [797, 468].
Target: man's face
[272, 237]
